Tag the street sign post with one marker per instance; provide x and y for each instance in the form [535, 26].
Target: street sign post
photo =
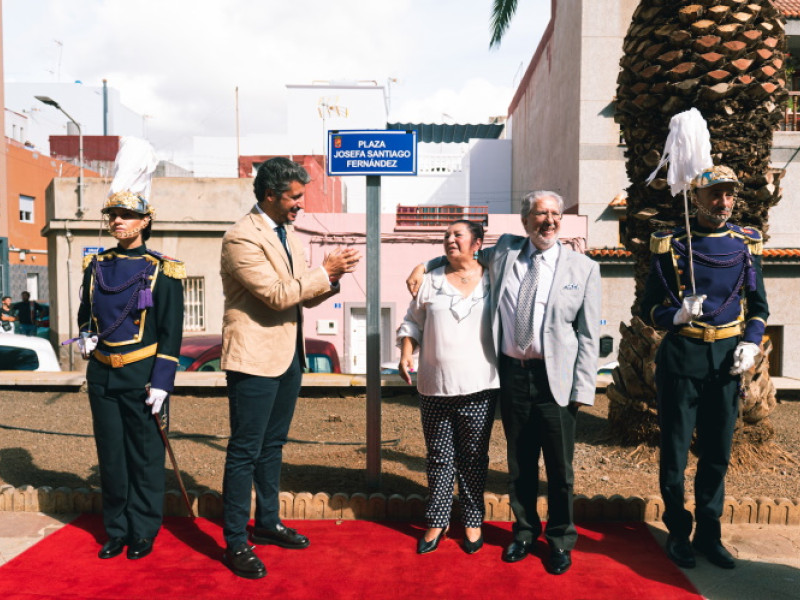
[373, 153]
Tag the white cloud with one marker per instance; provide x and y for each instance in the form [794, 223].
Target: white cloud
[179, 61]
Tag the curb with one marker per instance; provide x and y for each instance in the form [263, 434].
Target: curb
[377, 506]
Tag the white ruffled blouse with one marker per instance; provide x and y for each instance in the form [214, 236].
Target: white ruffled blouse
[454, 334]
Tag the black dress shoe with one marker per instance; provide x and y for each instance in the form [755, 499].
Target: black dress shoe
[244, 562]
[517, 550]
[560, 561]
[140, 548]
[680, 551]
[112, 548]
[423, 547]
[280, 536]
[715, 553]
[471, 547]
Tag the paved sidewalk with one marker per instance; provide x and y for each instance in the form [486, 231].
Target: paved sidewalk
[768, 564]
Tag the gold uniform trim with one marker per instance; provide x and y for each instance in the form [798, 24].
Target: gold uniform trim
[174, 269]
[120, 360]
[660, 244]
[711, 334]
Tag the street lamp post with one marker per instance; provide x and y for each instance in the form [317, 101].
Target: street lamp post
[79, 213]
[50, 102]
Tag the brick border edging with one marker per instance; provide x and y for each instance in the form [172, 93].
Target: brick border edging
[377, 506]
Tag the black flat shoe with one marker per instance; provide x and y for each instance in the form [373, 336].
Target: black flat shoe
[471, 547]
[715, 553]
[560, 561]
[517, 550]
[424, 547]
[112, 548]
[282, 536]
[140, 548]
[680, 551]
[244, 562]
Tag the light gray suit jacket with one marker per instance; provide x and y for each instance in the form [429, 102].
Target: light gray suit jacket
[571, 328]
[571, 321]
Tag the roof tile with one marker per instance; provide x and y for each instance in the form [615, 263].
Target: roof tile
[789, 8]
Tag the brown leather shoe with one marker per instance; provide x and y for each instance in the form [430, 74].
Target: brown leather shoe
[244, 562]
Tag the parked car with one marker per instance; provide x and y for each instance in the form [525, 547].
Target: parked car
[43, 322]
[202, 353]
[26, 353]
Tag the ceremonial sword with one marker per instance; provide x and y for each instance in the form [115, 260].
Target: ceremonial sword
[161, 422]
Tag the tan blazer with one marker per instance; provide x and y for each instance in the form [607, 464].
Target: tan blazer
[263, 299]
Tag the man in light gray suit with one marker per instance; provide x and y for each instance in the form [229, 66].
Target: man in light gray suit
[546, 321]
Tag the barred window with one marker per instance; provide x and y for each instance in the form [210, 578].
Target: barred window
[194, 304]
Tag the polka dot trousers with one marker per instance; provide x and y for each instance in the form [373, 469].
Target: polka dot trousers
[457, 431]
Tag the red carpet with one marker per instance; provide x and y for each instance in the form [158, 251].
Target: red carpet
[346, 559]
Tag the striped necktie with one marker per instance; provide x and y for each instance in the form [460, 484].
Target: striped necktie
[523, 323]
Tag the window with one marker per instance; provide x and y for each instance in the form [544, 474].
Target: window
[194, 302]
[25, 209]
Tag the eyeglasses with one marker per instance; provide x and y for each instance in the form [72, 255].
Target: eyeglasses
[541, 214]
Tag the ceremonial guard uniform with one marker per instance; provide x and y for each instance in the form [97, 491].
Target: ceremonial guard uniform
[694, 362]
[131, 318]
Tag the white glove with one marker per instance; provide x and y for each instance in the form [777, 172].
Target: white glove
[87, 343]
[691, 308]
[156, 399]
[744, 357]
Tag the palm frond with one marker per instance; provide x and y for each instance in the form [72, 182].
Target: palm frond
[502, 12]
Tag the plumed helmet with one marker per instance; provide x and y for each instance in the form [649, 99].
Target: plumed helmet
[133, 171]
[715, 175]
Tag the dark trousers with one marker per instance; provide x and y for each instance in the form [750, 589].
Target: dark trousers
[535, 424]
[261, 410]
[130, 454]
[711, 405]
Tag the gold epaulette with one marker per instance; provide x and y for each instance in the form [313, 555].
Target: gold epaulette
[756, 248]
[660, 241]
[752, 237]
[174, 269]
[87, 260]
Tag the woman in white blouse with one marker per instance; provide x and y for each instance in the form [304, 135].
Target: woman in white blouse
[457, 381]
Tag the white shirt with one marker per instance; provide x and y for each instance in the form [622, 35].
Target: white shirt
[508, 303]
[454, 335]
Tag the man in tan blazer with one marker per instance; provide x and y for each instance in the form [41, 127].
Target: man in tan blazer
[266, 283]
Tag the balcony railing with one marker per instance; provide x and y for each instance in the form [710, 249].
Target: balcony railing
[791, 120]
[440, 216]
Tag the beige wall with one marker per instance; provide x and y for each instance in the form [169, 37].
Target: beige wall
[191, 217]
[545, 124]
[601, 158]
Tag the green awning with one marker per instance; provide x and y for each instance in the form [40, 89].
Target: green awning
[448, 134]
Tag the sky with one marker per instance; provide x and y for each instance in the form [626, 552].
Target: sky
[179, 61]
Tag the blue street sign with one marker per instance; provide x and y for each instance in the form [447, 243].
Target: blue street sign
[372, 152]
[337, 305]
[88, 250]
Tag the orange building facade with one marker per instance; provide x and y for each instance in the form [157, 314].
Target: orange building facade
[29, 174]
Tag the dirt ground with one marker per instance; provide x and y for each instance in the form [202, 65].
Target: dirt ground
[46, 440]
